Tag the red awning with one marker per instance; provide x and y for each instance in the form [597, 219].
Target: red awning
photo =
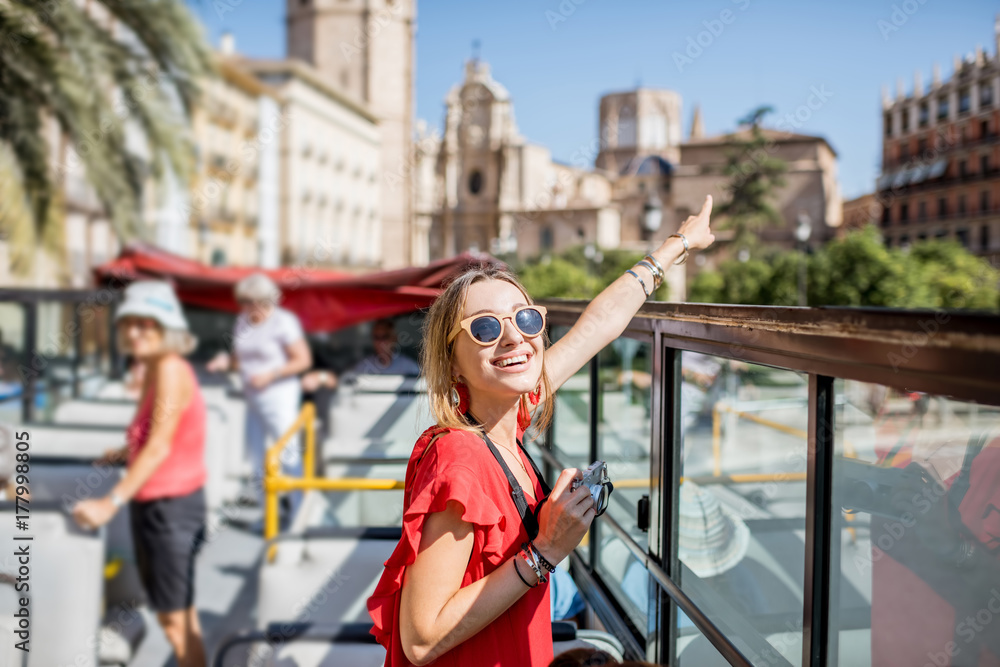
[324, 300]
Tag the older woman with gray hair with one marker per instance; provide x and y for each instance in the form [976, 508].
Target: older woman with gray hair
[269, 351]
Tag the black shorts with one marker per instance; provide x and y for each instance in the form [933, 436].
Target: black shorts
[167, 534]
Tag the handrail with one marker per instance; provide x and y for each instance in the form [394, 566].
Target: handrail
[275, 482]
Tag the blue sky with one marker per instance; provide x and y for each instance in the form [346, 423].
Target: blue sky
[766, 52]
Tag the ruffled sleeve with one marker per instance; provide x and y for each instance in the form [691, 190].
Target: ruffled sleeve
[444, 473]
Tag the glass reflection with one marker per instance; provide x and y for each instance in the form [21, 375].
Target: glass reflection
[917, 484]
[741, 516]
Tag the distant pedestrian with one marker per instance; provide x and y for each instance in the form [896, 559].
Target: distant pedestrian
[269, 351]
[386, 359]
[165, 478]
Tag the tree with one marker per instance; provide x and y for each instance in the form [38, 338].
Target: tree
[61, 62]
[574, 275]
[858, 270]
[753, 176]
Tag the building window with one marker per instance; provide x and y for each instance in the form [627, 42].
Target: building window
[964, 101]
[984, 201]
[942, 207]
[475, 182]
[961, 205]
[984, 237]
[984, 164]
[921, 146]
[963, 135]
[942, 108]
[921, 236]
[546, 238]
[905, 118]
[904, 213]
[925, 114]
[963, 237]
[904, 241]
[922, 210]
[963, 168]
[888, 125]
[941, 234]
[986, 94]
[886, 216]
[626, 127]
[904, 152]
[984, 129]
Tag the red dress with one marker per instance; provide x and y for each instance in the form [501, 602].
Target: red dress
[460, 467]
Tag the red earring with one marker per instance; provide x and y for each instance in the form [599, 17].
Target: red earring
[460, 397]
[523, 416]
[536, 396]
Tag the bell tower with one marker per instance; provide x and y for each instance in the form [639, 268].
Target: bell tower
[365, 48]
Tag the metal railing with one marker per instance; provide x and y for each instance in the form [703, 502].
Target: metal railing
[948, 353]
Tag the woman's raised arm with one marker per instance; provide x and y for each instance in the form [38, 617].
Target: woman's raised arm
[607, 315]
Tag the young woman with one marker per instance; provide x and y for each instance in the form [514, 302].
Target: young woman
[166, 473]
[466, 584]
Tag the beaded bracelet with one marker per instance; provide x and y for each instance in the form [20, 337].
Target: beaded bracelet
[542, 560]
[530, 560]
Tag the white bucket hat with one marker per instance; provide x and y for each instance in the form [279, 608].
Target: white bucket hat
[155, 299]
[711, 538]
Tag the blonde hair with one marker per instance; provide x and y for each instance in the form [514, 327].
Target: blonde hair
[436, 353]
[180, 341]
[258, 288]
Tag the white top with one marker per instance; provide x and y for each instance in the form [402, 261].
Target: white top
[259, 348]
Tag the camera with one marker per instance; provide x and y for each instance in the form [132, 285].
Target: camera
[866, 487]
[596, 479]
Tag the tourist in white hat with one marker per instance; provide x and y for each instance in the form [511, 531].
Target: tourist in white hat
[269, 351]
[165, 477]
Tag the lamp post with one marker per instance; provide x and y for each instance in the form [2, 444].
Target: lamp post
[802, 233]
[652, 215]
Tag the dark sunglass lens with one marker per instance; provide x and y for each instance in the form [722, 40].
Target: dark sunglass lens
[485, 329]
[529, 321]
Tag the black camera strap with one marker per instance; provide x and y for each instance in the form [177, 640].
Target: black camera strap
[528, 519]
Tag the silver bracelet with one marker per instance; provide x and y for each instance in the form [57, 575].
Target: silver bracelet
[657, 278]
[644, 290]
[656, 262]
[687, 246]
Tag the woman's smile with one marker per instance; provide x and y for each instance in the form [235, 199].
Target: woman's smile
[513, 362]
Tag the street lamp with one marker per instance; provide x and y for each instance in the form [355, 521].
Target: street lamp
[652, 214]
[802, 233]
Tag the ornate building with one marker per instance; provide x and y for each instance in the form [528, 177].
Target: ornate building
[941, 157]
[365, 48]
[482, 186]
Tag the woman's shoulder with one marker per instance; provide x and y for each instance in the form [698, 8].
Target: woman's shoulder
[442, 446]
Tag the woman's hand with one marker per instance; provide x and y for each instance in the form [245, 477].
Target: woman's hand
[261, 380]
[219, 363]
[565, 517]
[696, 228]
[92, 514]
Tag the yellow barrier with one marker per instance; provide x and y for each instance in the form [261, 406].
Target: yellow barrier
[275, 482]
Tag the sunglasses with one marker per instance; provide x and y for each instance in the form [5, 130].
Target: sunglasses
[486, 328]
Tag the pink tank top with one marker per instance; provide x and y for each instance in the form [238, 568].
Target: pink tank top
[183, 471]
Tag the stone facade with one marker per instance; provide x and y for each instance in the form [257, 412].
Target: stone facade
[482, 186]
[228, 194]
[941, 158]
[365, 48]
[329, 167]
